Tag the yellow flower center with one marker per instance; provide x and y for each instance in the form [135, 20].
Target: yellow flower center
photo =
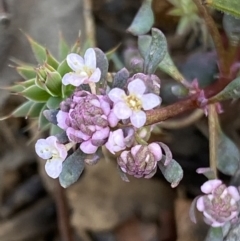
[133, 102]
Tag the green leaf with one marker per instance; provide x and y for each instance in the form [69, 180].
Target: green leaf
[54, 130]
[156, 51]
[231, 91]
[214, 234]
[112, 51]
[231, 27]
[102, 64]
[51, 60]
[228, 155]
[120, 79]
[73, 167]
[167, 66]
[54, 83]
[27, 83]
[172, 172]
[144, 43]
[14, 88]
[67, 90]
[35, 110]
[54, 102]
[230, 7]
[63, 68]
[144, 19]
[63, 48]
[27, 72]
[38, 50]
[43, 123]
[36, 94]
[21, 111]
[76, 47]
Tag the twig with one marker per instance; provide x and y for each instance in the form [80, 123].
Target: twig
[183, 122]
[63, 214]
[213, 137]
[161, 114]
[215, 36]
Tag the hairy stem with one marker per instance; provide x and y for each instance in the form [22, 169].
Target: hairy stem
[213, 137]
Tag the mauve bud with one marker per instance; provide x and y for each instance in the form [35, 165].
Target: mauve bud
[220, 204]
[140, 161]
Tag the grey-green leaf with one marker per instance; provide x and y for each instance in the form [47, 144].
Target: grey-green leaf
[144, 43]
[228, 155]
[214, 234]
[144, 19]
[73, 167]
[120, 79]
[156, 51]
[173, 172]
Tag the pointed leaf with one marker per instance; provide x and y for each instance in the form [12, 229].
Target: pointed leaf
[54, 130]
[231, 91]
[73, 167]
[144, 19]
[54, 83]
[38, 50]
[167, 66]
[63, 48]
[27, 72]
[51, 60]
[230, 7]
[112, 51]
[76, 47]
[54, 102]
[27, 83]
[43, 123]
[21, 111]
[36, 94]
[35, 110]
[63, 68]
[14, 88]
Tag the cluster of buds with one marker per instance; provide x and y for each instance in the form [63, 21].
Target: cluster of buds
[86, 118]
[220, 204]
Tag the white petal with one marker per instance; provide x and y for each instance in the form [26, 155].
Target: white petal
[74, 79]
[122, 111]
[116, 94]
[149, 101]
[53, 167]
[95, 77]
[137, 86]
[75, 61]
[43, 149]
[90, 58]
[138, 119]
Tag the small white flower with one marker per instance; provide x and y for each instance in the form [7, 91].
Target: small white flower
[85, 70]
[52, 151]
[130, 106]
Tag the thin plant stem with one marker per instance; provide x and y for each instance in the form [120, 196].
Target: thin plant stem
[63, 214]
[213, 137]
[215, 36]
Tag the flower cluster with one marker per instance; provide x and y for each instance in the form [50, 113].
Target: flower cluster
[220, 204]
[91, 120]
